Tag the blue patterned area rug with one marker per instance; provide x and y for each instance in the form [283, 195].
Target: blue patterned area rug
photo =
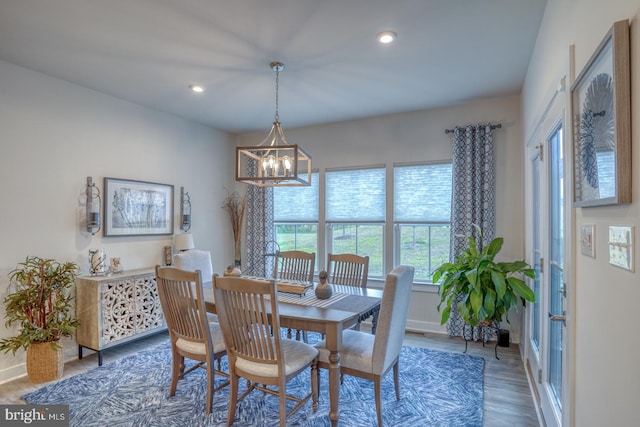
[437, 389]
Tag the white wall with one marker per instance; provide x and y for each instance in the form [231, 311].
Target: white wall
[603, 348]
[54, 134]
[420, 136]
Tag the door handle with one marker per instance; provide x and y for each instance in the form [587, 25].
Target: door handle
[559, 318]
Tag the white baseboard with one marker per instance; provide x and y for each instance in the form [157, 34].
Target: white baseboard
[13, 373]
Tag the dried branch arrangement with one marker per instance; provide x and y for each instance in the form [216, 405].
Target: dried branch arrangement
[235, 205]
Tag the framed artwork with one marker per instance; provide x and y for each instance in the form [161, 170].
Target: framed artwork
[587, 245]
[601, 120]
[137, 208]
[621, 246]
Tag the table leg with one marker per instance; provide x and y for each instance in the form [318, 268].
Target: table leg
[334, 387]
[334, 344]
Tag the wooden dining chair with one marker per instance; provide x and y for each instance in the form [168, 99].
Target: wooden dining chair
[348, 269]
[371, 356]
[298, 266]
[248, 311]
[295, 265]
[191, 334]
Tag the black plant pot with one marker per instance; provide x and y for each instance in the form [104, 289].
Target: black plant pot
[503, 337]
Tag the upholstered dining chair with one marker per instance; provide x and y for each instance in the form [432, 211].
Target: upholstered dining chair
[248, 311]
[295, 265]
[371, 356]
[191, 333]
[196, 259]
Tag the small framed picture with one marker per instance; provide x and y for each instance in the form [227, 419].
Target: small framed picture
[587, 244]
[621, 246]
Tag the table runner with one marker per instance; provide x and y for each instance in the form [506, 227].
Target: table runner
[310, 299]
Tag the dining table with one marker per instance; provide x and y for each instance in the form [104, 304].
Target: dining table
[330, 317]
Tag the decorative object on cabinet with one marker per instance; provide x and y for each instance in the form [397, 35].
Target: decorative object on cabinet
[601, 105]
[42, 305]
[185, 210]
[94, 206]
[621, 246]
[117, 309]
[587, 244]
[97, 262]
[235, 205]
[274, 162]
[115, 265]
[134, 208]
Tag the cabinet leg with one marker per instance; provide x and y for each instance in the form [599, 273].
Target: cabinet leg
[80, 352]
[99, 357]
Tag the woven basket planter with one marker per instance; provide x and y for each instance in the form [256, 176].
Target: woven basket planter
[44, 363]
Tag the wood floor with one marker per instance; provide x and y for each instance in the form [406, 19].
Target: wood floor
[507, 396]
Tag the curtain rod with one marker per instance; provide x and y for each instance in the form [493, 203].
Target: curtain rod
[498, 126]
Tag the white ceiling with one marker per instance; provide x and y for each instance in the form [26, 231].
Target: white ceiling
[149, 51]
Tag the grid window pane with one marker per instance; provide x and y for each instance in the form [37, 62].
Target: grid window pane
[422, 214]
[363, 240]
[356, 195]
[296, 204]
[300, 237]
[425, 247]
[422, 193]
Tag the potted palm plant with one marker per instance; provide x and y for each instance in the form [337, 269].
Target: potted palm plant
[482, 289]
[41, 304]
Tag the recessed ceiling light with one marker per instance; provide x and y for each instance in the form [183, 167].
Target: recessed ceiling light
[386, 37]
[196, 88]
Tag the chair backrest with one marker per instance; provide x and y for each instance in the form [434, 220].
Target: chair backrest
[243, 306]
[348, 269]
[182, 300]
[195, 259]
[392, 319]
[295, 265]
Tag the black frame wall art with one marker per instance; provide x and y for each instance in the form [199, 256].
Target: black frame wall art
[601, 120]
[137, 208]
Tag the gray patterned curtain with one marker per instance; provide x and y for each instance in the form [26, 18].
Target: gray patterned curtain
[472, 201]
[259, 230]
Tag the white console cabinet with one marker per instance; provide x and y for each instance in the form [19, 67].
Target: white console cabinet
[116, 309]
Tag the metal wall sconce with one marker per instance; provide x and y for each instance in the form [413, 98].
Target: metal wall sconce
[94, 206]
[185, 210]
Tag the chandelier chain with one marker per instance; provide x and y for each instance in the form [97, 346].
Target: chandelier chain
[277, 117]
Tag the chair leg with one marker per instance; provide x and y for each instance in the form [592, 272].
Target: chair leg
[396, 380]
[177, 366]
[210, 387]
[283, 405]
[233, 396]
[376, 385]
[315, 380]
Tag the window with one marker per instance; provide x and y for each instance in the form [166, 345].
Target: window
[296, 217]
[422, 216]
[356, 214]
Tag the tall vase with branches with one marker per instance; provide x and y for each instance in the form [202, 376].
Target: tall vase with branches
[235, 205]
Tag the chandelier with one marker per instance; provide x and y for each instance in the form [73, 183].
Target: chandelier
[274, 162]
